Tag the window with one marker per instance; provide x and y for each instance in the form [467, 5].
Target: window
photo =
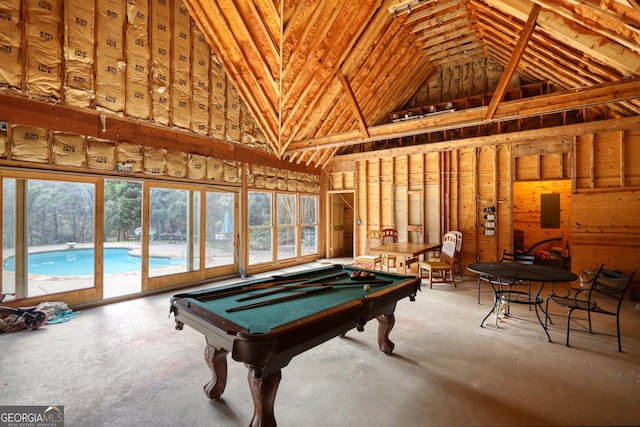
[58, 228]
[309, 223]
[286, 215]
[220, 229]
[292, 222]
[260, 227]
[170, 212]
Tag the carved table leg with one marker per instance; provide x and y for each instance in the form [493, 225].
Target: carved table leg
[263, 392]
[385, 324]
[216, 359]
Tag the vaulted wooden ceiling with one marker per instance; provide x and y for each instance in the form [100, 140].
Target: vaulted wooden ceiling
[321, 74]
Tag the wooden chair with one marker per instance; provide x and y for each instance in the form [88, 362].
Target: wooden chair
[449, 236]
[458, 260]
[602, 296]
[443, 268]
[509, 257]
[367, 260]
[389, 235]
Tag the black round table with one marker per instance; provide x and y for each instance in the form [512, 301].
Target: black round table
[505, 273]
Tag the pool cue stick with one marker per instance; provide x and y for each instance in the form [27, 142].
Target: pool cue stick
[261, 285]
[286, 288]
[226, 292]
[280, 299]
[364, 282]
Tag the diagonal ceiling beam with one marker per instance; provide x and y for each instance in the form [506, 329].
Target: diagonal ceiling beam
[362, 123]
[510, 69]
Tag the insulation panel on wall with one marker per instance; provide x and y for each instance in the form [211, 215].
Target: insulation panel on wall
[218, 103]
[68, 150]
[44, 48]
[197, 166]
[110, 59]
[200, 81]
[181, 61]
[161, 60]
[176, 163]
[30, 144]
[215, 169]
[129, 157]
[137, 92]
[4, 141]
[100, 154]
[155, 161]
[78, 52]
[233, 114]
[10, 64]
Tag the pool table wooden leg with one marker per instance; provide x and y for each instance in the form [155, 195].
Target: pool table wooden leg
[263, 392]
[385, 324]
[216, 359]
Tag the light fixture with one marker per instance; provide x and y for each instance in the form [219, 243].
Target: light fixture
[406, 6]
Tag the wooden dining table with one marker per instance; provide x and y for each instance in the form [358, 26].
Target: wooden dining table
[404, 251]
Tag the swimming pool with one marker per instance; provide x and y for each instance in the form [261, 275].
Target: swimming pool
[79, 262]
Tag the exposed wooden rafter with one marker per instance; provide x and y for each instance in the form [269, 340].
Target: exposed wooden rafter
[316, 75]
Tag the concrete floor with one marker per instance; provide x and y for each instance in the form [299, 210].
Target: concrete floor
[124, 364]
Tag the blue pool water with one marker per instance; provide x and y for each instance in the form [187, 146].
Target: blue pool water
[79, 262]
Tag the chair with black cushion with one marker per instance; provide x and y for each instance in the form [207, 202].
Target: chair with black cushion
[509, 257]
[602, 296]
[442, 268]
[367, 260]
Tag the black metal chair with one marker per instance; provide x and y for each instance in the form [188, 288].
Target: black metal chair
[602, 295]
[509, 257]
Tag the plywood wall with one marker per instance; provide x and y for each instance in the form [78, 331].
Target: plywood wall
[594, 175]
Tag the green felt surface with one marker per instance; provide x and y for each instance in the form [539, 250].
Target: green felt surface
[262, 319]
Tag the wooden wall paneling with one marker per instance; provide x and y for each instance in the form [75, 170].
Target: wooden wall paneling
[362, 189]
[503, 174]
[572, 164]
[527, 211]
[467, 209]
[444, 192]
[487, 196]
[622, 153]
[551, 166]
[386, 170]
[478, 203]
[432, 197]
[632, 157]
[605, 229]
[607, 160]
[416, 183]
[453, 191]
[592, 161]
[397, 215]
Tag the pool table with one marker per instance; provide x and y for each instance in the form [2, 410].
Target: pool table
[264, 323]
